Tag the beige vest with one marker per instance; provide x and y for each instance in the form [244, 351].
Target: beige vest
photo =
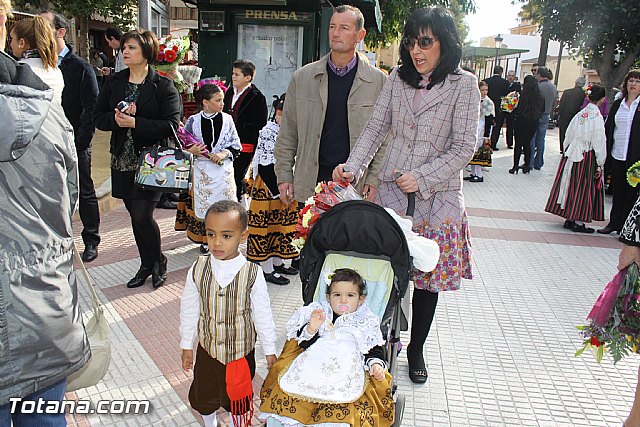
[225, 328]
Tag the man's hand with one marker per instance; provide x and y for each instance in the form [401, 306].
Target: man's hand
[317, 319]
[628, 254]
[407, 182]
[106, 71]
[340, 175]
[187, 359]
[377, 371]
[286, 192]
[271, 359]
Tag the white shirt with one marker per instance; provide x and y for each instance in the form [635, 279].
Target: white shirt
[237, 94]
[225, 272]
[623, 121]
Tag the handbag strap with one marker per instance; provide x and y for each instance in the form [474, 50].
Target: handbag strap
[97, 305]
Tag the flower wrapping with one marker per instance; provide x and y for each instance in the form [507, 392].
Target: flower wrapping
[328, 194]
[633, 174]
[172, 51]
[187, 140]
[614, 321]
[509, 103]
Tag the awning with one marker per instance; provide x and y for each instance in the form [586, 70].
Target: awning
[489, 52]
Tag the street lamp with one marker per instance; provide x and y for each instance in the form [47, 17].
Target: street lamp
[498, 41]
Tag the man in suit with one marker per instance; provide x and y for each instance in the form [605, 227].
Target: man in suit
[514, 86]
[78, 99]
[498, 87]
[570, 103]
[328, 104]
[248, 107]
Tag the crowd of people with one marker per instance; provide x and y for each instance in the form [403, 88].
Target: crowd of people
[341, 119]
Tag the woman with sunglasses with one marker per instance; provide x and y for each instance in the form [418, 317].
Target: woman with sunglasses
[430, 108]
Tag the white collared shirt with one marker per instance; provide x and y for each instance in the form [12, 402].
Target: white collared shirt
[237, 94]
[622, 132]
[225, 272]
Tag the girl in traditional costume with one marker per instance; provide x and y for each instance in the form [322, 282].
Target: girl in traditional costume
[482, 156]
[272, 224]
[213, 178]
[577, 193]
[321, 376]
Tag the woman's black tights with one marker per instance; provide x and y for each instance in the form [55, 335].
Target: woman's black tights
[145, 230]
[423, 309]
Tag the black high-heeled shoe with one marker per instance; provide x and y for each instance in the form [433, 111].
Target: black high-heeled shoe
[514, 169]
[159, 273]
[140, 277]
[526, 169]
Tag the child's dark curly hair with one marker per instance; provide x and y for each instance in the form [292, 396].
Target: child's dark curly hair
[348, 275]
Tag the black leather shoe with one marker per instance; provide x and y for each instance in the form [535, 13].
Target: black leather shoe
[607, 230]
[468, 178]
[90, 253]
[568, 224]
[139, 278]
[159, 273]
[417, 368]
[477, 179]
[282, 269]
[166, 204]
[582, 229]
[276, 279]
[494, 149]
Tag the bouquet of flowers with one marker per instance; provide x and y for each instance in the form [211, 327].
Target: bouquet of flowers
[328, 194]
[172, 51]
[614, 321]
[633, 174]
[509, 103]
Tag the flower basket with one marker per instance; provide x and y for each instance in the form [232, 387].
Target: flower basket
[614, 321]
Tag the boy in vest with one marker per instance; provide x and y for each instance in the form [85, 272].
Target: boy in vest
[224, 304]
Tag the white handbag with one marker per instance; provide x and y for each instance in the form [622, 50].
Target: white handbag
[97, 329]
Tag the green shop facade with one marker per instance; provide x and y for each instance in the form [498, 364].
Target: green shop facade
[279, 36]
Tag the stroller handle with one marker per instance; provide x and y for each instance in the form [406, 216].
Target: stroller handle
[411, 198]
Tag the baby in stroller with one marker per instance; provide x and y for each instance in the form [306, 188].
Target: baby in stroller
[321, 376]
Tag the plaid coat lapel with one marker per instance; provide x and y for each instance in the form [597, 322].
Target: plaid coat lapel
[434, 96]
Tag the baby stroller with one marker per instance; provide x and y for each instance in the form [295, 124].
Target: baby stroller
[363, 236]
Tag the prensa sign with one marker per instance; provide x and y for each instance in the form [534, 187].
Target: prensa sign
[271, 14]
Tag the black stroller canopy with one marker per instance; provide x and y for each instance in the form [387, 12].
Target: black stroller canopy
[354, 226]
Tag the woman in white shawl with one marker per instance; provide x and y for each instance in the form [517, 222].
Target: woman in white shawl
[577, 193]
[213, 166]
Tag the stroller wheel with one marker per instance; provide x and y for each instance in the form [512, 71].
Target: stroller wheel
[397, 420]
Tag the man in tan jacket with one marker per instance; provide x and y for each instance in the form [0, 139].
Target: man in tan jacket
[328, 104]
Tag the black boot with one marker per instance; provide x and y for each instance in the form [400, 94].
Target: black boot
[423, 309]
[159, 273]
[140, 277]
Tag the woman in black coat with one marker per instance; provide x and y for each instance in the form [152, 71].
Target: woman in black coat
[525, 122]
[623, 149]
[154, 108]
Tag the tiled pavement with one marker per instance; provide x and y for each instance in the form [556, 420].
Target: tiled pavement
[501, 351]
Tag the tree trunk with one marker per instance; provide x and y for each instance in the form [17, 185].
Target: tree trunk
[611, 75]
[544, 47]
[556, 77]
[83, 39]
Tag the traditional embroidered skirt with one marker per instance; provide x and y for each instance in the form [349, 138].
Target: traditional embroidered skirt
[211, 183]
[375, 408]
[585, 194]
[186, 219]
[208, 390]
[482, 157]
[271, 226]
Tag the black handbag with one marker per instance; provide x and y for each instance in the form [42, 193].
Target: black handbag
[165, 169]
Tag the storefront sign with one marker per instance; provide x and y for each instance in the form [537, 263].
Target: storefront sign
[272, 14]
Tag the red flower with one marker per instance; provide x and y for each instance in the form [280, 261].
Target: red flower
[170, 56]
[175, 48]
[595, 342]
[162, 48]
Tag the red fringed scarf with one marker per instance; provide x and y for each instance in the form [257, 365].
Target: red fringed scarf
[240, 391]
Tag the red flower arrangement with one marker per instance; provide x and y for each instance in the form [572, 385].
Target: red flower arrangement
[328, 194]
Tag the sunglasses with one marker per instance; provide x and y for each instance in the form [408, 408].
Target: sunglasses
[534, 70]
[424, 42]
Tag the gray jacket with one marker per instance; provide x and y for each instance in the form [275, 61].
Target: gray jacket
[42, 338]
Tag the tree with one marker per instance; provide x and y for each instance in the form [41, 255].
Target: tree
[604, 32]
[121, 12]
[533, 11]
[395, 13]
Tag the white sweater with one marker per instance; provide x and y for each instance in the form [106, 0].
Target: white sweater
[52, 76]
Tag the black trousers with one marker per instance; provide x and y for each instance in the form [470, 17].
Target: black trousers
[87, 200]
[508, 117]
[495, 134]
[524, 132]
[624, 195]
[240, 168]
[145, 230]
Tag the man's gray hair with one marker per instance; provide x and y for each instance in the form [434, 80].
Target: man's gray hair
[348, 8]
[580, 81]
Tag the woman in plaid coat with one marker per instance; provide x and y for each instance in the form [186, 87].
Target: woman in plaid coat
[430, 107]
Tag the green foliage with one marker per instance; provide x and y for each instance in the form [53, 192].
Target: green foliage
[395, 13]
[121, 12]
